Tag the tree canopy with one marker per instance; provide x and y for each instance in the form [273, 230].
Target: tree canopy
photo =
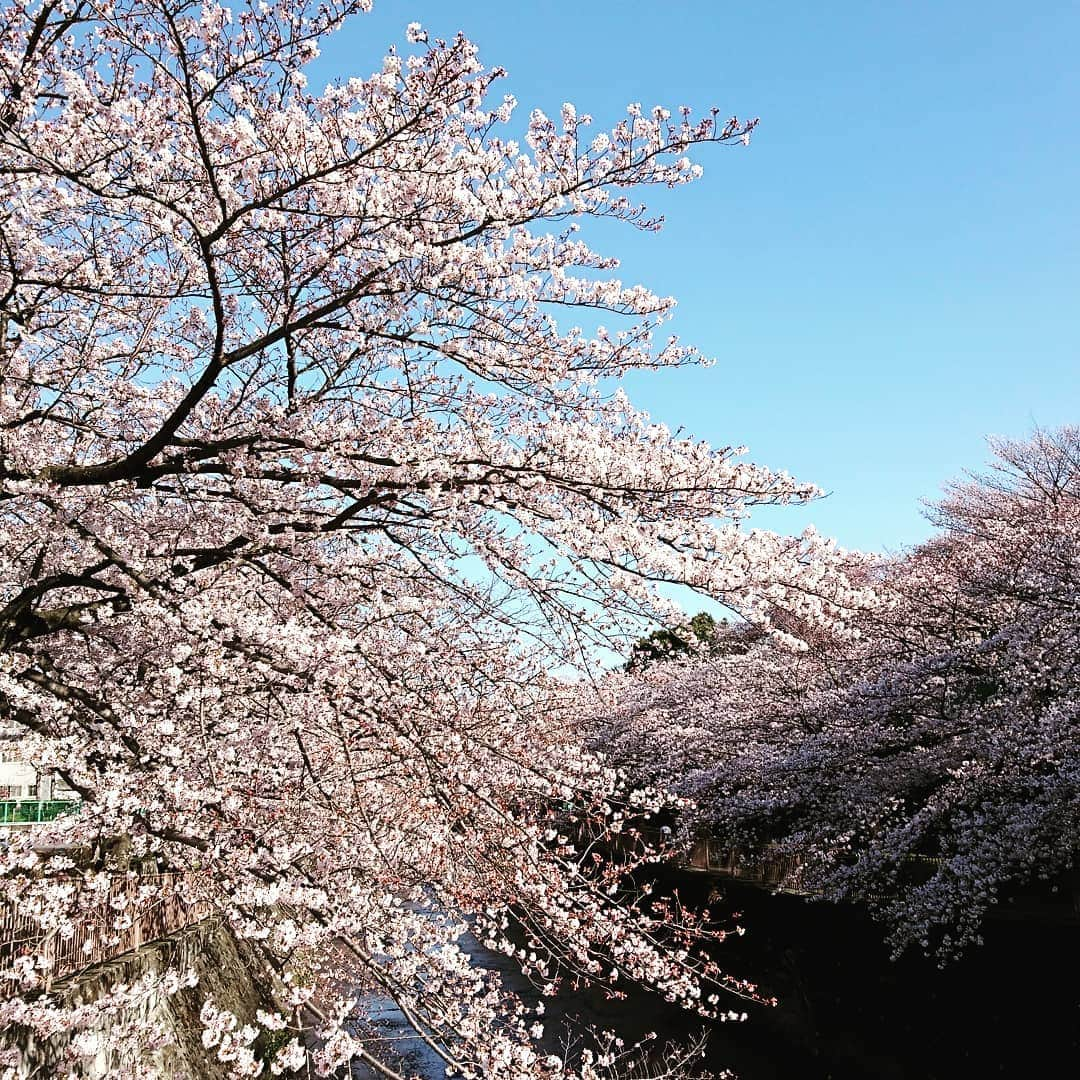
[308, 478]
[941, 727]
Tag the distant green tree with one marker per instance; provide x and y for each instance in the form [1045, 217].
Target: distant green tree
[701, 634]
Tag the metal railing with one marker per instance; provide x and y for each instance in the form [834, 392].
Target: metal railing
[137, 908]
[33, 811]
[772, 868]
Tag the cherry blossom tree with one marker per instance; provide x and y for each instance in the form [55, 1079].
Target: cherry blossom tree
[308, 478]
[928, 761]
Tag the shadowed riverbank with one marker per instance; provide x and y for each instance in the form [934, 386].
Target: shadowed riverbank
[1010, 1008]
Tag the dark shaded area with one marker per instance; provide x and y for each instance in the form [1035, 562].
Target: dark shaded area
[1009, 1008]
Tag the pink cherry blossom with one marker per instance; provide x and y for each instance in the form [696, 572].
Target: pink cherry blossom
[925, 760]
[309, 478]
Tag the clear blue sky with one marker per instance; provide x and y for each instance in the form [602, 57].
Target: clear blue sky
[888, 273]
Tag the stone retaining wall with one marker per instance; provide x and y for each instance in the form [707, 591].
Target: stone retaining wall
[225, 968]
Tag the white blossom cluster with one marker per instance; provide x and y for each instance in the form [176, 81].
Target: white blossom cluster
[308, 476]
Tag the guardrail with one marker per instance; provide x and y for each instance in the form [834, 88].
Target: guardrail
[779, 871]
[137, 908]
[33, 811]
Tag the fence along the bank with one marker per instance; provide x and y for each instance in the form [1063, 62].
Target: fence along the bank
[137, 908]
[781, 871]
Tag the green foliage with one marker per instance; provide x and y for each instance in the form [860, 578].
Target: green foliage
[697, 635]
[702, 635]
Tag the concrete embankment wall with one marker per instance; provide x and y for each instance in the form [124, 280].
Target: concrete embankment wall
[225, 968]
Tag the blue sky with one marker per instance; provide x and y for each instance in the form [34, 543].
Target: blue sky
[887, 274]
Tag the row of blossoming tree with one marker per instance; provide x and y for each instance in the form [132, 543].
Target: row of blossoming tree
[940, 730]
[307, 481]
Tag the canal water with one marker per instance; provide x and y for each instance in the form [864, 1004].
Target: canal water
[1010, 1008]
[567, 1015]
